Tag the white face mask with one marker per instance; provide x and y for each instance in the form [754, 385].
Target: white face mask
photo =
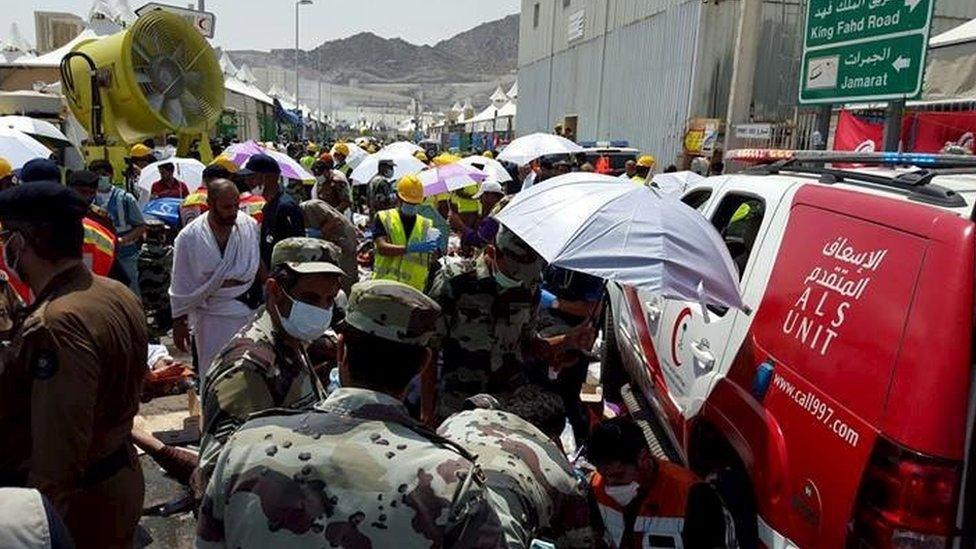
[506, 282]
[305, 322]
[257, 191]
[623, 494]
[104, 184]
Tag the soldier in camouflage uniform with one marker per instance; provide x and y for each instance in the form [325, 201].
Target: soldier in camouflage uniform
[534, 489]
[266, 365]
[489, 326]
[357, 470]
[381, 190]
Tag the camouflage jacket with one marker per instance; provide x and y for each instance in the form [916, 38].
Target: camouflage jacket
[484, 330]
[381, 194]
[533, 487]
[349, 473]
[253, 373]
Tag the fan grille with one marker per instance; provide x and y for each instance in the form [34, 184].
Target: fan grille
[174, 68]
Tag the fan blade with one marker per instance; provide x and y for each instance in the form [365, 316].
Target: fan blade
[138, 48]
[193, 80]
[155, 101]
[174, 112]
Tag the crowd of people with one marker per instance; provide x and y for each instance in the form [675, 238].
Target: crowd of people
[375, 366]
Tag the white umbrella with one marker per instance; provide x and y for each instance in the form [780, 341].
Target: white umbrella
[18, 148]
[525, 149]
[402, 165]
[676, 183]
[355, 156]
[490, 166]
[626, 233]
[401, 148]
[34, 127]
[187, 170]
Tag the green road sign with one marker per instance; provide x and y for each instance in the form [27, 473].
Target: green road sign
[832, 22]
[864, 50]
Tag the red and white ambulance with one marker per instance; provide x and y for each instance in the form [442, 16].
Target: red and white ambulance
[839, 410]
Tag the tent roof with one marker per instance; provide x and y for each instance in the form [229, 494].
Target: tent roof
[958, 35]
[513, 91]
[486, 115]
[52, 59]
[498, 95]
[508, 109]
[234, 84]
[226, 65]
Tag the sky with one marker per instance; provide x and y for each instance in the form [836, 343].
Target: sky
[267, 24]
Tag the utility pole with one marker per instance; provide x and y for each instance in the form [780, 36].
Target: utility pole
[202, 5]
[823, 126]
[743, 67]
[892, 127]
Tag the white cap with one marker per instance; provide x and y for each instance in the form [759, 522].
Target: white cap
[489, 186]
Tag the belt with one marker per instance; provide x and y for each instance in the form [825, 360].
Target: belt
[106, 467]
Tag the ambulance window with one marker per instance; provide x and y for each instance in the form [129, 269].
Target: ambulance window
[738, 219]
[697, 199]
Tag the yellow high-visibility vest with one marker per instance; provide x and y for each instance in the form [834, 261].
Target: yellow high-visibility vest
[411, 269]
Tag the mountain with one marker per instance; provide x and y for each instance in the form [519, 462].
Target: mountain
[486, 51]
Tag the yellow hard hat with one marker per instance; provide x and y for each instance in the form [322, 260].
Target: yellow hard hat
[139, 151]
[646, 161]
[225, 163]
[488, 154]
[312, 147]
[421, 156]
[341, 148]
[444, 159]
[410, 189]
[5, 168]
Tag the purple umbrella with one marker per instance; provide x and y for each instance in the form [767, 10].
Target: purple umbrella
[451, 177]
[239, 153]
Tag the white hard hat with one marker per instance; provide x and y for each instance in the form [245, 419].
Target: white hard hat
[489, 186]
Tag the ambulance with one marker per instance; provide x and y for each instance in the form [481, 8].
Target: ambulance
[837, 409]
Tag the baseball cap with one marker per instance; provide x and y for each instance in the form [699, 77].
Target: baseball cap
[489, 186]
[260, 163]
[42, 202]
[307, 256]
[393, 311]
[83, 178]
[40, 169]
[5, 168]
[523, 262]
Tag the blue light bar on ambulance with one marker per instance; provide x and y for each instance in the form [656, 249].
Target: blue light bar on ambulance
[923, 160]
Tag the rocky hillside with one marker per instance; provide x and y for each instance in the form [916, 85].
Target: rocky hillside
[488, 50]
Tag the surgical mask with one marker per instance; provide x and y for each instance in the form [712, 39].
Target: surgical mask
[506, 282]
[257, 191]
[623, 494]
[408, 209]
[320, 179]
[104, 184]
[305, 322]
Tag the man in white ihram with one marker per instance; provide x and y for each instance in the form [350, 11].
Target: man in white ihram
[215, 260]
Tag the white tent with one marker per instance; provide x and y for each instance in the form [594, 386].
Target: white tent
[498, 98]
[226, 65]
[951, 68]
[513, 91]
[507, 110]
[52, 59]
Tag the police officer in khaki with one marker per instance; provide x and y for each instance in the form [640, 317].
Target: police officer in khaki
[72, 388]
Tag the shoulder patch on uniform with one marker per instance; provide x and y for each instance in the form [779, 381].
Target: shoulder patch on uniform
[45, 365]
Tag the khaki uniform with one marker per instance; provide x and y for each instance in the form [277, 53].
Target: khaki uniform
[255, 372]
[69, 399]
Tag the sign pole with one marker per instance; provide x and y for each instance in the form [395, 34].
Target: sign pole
[892, 128]
[823, 125]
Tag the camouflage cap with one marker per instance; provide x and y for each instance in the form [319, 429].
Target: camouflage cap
[394, 311]
[522, 262]
[307, 256]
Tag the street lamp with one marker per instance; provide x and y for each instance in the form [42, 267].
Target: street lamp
[297, 4]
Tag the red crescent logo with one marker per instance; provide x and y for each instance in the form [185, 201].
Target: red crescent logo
[685, 313]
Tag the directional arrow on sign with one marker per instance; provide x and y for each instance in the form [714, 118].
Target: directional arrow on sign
[901, 63]
[912, 4]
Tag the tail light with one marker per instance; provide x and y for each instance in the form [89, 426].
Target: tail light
[907, 500]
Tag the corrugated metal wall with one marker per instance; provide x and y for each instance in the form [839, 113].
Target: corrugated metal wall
[646, 74]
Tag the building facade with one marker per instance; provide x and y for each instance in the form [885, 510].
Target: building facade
[644, 70]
